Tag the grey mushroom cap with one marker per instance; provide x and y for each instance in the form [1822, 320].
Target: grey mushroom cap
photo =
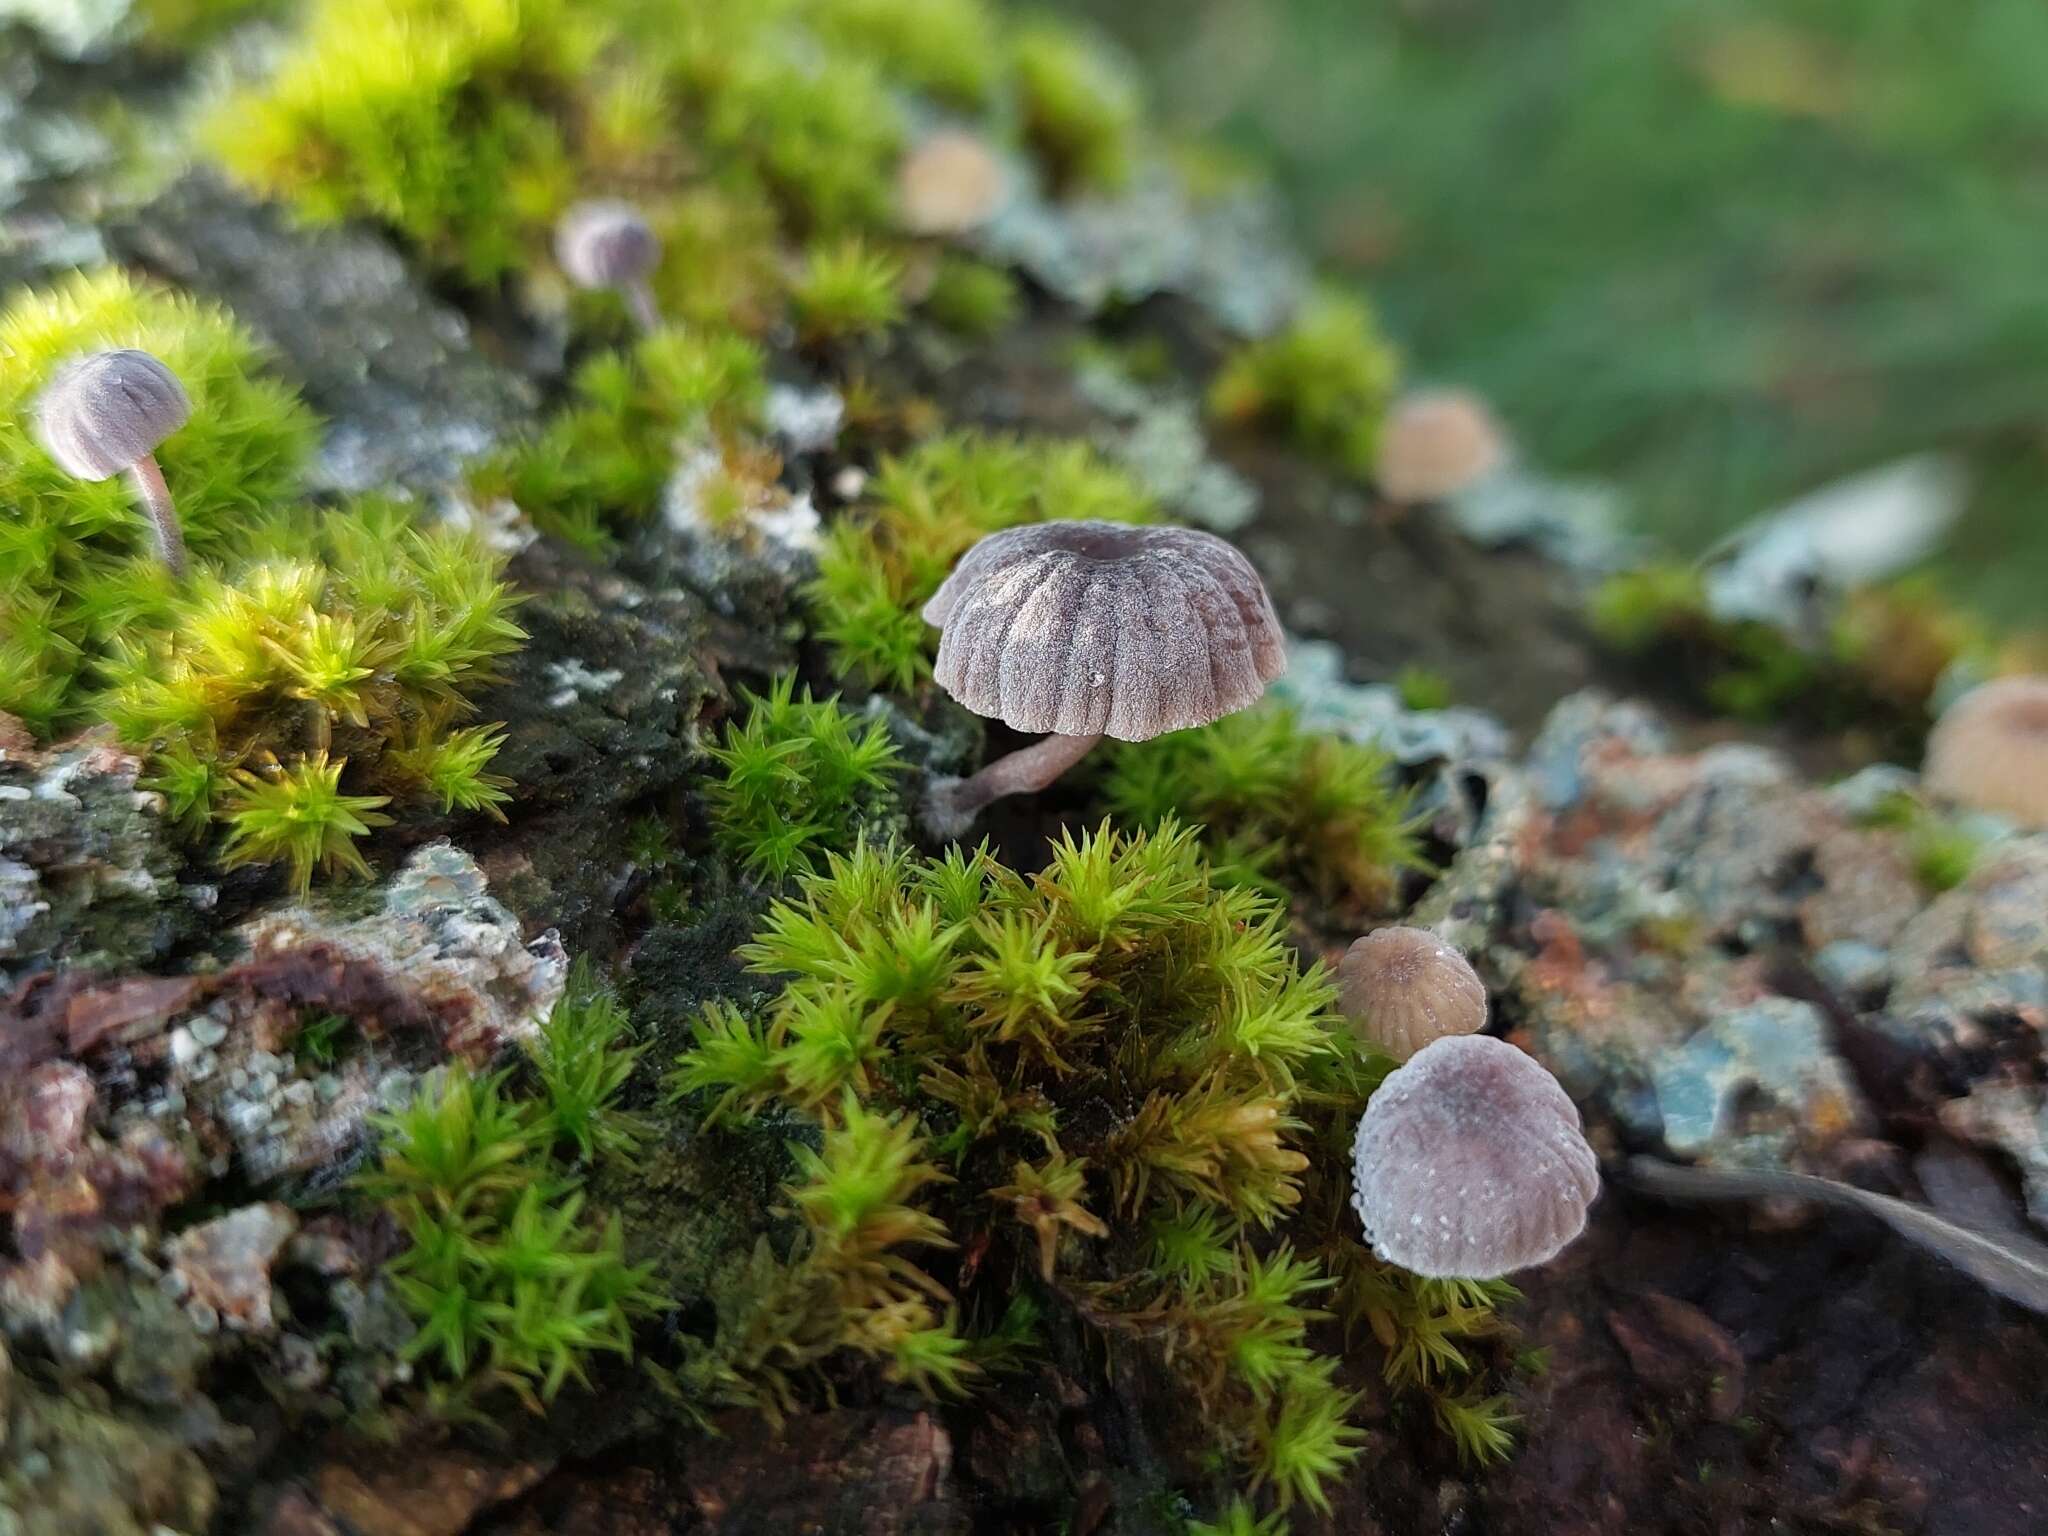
[1090, 628]
[1470, 1162]
[1404, 987]
[108, 411]
[605, 243]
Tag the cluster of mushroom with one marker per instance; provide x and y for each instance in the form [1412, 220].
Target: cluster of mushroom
[1469, 1161]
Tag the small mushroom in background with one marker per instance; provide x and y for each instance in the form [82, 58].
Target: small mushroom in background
[1437, 443]
[106, 414]
[1404, 987]
[1989, 750]
[948, 185]
[1092, 629]
[1470, 1162]
[606, 243]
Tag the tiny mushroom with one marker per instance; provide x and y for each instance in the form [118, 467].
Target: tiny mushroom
[948, 185]
[1470, 1162]
[1989, 750]
[105, 414]
[1404, 987]
[606, 243]
[1437, 443]
[1092, 629]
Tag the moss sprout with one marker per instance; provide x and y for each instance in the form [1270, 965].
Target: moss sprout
[1285, 807]
[1325, 382]
[583, 1062]
[1081, 112]
[949, 48]
[599, 466]
[846, 291]
[973, 299]
[803, 777]
[879, 566]
[1110, 1078]
[355, 651]
[511, 1282]
[297, 815]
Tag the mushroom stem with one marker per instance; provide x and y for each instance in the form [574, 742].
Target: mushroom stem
[640, 303]
[952, 804]
[148, 481]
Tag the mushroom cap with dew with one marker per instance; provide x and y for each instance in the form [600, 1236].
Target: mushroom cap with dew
[1436, 443]
[1092, 628]
[107, 412]
[1990, 750]
[605, 243]
[1404, 987]
[1470, 1163]
[949, 184]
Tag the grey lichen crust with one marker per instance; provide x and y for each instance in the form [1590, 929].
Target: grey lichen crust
[1470, 1162]
[1090, 628]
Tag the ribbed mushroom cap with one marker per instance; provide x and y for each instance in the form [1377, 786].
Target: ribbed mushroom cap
[1404, 987]
[1990, 750]
[948, 185]
[605, 243]
[1436, 443]
[1470, 1162]
[108, 411]
[1089, 628]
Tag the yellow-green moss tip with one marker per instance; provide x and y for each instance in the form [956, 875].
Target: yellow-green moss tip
[1324, 382]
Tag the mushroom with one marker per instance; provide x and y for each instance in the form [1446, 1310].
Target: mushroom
[105, 414]
[1093, 629]
[1404, 987]
[1990, 750]
[605, 243]
[948, 185]
[1470, 1163]
[1437, 443]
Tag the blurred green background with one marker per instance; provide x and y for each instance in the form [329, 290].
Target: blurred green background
[1719, 251]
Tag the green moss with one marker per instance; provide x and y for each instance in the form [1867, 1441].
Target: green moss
[583, 1061]
[1081, 112]
[1240, 1518]
[347, 640]
[1632, 609]
[1285, 808]
[973, 299]
[803, 777]
[435, 117]
[1942, 849]
[1422, 689]
[511, 1282]
[297, 815]
[74, 572]
[1324, 382]
[880, 564]
[961, 1033]
[178, 25]
[599, 465]
[846, 291]
[950, 48]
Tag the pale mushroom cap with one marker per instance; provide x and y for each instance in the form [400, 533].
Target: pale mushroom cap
[1470, 1163]
[108, 411]
[1436, 443]
[948, 185]
[605, 243]
[1404, 987]
[1090, 628]
[1990, 750]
